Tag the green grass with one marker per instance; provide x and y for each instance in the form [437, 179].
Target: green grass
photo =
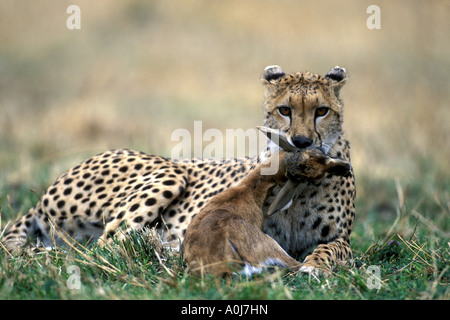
[409, 269]
[411, 252]
[162, 69]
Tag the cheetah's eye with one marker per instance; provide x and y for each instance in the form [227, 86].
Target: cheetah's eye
[284, 111]
[321, 111]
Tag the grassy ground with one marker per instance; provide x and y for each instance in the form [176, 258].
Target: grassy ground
[138, 70]
[409, 252]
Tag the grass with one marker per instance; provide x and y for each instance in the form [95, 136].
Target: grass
[409, 269]
[162, 68]
[410, 253]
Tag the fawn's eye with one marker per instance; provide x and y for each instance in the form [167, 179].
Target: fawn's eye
[284, 111]
[322, 111]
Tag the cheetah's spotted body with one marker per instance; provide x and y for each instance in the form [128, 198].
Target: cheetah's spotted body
[124, 189]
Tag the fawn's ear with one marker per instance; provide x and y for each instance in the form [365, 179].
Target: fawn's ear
[283, 200]
[338, 77]
[271, 73]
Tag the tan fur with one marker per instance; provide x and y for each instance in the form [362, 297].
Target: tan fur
[227, 232]
[322, 213]
[122, 190]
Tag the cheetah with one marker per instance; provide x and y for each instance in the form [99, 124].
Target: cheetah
[226, 235]
[122, 190]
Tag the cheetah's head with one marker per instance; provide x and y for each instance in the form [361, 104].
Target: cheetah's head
[305, 107]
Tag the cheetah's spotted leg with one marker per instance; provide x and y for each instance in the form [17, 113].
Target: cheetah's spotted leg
[18, 234]
[325, 256]
[144, 206]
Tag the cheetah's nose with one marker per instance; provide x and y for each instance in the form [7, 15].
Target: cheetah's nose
[301, 142]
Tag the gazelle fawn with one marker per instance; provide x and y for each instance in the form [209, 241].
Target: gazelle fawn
[226, 235]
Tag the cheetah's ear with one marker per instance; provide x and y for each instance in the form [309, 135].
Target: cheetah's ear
[271, 73]
[338, 77]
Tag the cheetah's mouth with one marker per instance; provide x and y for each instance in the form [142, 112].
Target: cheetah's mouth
[285, 196]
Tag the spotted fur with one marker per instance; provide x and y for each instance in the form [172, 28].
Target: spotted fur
[120, 190]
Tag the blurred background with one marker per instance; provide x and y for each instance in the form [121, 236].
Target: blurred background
[138, 70]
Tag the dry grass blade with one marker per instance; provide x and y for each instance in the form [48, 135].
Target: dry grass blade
[73, 244]
[163, 265]
[416, 253]
[2, 231]
[430, 224]
[373, 248]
